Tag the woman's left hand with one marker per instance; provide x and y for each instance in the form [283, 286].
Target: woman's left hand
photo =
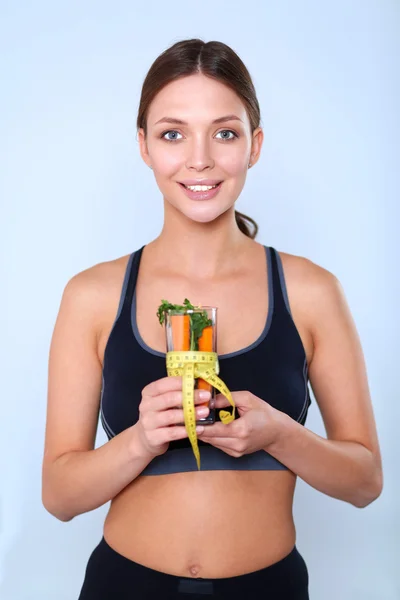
[256, 428]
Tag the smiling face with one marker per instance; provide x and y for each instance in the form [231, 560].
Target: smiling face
[202, 146]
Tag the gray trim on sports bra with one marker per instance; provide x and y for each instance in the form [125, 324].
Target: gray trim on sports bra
[283, 282]
[124, 285]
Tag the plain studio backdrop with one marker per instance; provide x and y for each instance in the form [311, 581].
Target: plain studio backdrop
[75, 192]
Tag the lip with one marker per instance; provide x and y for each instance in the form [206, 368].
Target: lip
[207, 195]
[200, 181]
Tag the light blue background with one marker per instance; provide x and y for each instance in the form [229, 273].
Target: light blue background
[75, 192]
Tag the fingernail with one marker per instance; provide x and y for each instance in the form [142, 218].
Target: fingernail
[204, 395]
[202, 411]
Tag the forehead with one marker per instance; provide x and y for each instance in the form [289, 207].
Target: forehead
[195, 98]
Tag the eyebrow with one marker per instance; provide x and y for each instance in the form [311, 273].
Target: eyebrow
[180, 122]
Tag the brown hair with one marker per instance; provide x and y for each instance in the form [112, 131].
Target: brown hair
[216, 60]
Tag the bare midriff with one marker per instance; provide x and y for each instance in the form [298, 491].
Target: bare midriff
[208, 524]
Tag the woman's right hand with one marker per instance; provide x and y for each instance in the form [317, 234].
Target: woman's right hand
[161, 407]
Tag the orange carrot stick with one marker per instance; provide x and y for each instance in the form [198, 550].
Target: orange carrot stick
[205, 344]
[206, 339]
[180, 325]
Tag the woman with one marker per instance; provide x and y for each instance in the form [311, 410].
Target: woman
[227, 530]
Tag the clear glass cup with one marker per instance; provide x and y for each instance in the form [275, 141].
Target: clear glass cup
[182, 334]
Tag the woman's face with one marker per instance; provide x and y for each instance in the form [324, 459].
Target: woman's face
[199, 149]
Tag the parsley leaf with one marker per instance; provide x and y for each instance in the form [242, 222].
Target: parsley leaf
[198, 320]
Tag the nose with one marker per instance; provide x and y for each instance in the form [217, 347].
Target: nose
[199, 155]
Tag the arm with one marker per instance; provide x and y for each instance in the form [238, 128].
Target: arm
[347, 465]
[77, 478]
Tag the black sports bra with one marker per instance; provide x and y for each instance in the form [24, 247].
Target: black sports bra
[274, 368]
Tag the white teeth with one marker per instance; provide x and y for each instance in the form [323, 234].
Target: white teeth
[201, 188]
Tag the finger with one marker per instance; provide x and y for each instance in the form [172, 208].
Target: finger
[220, 430]
[160, 386]
[168, 434]
[170, 417]
[221, 401]
[170, 400]
[224, 444]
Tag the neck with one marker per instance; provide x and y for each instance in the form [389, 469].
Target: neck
[207, 249]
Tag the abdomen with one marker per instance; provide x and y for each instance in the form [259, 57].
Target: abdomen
[226, 523]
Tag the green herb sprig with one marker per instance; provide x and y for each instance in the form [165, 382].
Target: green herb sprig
[198, 320]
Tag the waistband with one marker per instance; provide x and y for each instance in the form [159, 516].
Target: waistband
[292, 567]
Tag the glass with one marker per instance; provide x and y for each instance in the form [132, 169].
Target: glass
[180, 334]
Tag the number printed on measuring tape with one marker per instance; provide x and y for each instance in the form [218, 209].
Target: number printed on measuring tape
[191, 365]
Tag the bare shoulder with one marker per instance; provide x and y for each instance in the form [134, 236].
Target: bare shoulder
[97, 278]
[95, 290]
[312, 289]
[302, 271]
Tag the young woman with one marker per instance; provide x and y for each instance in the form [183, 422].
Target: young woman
[227, 530]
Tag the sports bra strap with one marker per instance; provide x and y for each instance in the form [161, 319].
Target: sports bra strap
[281, 300]
[131, 274]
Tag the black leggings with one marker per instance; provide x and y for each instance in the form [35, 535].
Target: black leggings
[111, 576]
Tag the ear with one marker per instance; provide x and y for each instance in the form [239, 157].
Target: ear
[144, 153]
[258, 138]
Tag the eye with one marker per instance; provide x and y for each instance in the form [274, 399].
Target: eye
[235, 135]
[169, 131]
[173, 131]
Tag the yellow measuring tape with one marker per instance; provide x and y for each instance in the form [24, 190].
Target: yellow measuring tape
[191, 364]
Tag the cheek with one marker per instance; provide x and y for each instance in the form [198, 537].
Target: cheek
[166, 161]
[233, 163]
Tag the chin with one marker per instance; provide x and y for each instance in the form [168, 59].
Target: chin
[204, 214]
[202, 211]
